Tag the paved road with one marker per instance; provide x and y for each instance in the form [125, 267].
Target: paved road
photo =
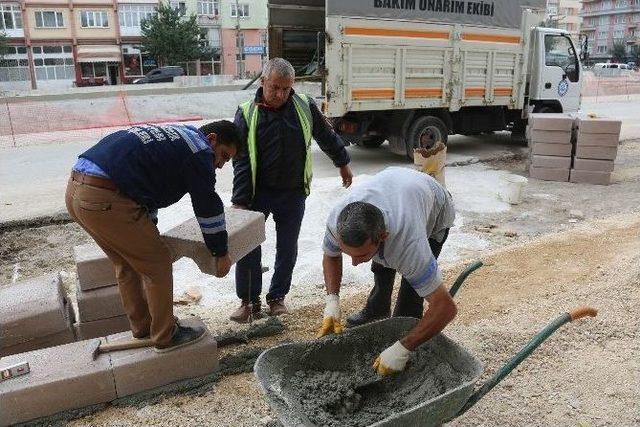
[33, 178]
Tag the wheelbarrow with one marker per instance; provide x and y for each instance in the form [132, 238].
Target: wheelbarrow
[316, 383]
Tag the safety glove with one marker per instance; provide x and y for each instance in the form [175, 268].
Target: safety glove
[331, 321]
[392, 360]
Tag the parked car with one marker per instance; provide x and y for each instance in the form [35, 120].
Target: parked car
[161, 75]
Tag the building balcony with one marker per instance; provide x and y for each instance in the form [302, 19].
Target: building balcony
[15, 34]
[609, 11]
[209, 20]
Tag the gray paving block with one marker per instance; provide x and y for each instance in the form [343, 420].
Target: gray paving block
[32, 309]
[245, 229]
[599, 125]
[95, 270]
[550, 136]
[549, 174]
[558, 162]
[590, 177]
[598, 139]
[97, 304]
[101, 328]
[551, 149]
[61, 378]
[593, 165]
[144, 369]
[551, 121]
[59, 338]
[593, 152]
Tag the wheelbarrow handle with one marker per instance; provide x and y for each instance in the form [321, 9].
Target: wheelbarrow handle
[538, 339]
[463, 276]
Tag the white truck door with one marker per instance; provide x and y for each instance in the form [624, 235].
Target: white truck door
[560, 73]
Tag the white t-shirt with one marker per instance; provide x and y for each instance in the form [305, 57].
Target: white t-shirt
[415, 208]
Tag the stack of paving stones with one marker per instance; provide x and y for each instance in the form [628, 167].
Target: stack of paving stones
[596, 150]
[100, 310]
[34, 314]
[549, 137]
[67, 377]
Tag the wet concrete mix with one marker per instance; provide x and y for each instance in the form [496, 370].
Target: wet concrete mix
[336, 397]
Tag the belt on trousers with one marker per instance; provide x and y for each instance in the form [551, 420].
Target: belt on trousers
[93, 181]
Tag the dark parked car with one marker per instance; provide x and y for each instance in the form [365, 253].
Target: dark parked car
[161, 75]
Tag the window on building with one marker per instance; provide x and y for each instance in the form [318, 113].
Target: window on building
[14, 65]
[620, 19]
[10, 16]
[94, 19]
[53, 62]
[132, 15]
[135, 62]
[604, 20]
[602, 49]
[49, 19]
[239, 10]
[602, 34]
[180, 6]
[208, 7]
[93, 69]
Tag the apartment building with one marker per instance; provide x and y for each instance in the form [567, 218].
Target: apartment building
[607, 22]
[62, 43]
[565, 15]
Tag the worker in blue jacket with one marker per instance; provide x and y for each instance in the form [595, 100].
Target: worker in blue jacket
[115, 190]
[274, 177]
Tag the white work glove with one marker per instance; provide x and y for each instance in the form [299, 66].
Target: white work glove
[392, 360]
[331, 321]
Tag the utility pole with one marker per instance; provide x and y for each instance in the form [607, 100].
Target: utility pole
[239, 62]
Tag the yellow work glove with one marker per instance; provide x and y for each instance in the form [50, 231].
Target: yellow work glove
[331, 321]
[392, 360]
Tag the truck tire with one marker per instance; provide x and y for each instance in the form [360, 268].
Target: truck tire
[372, 141]
[425, 132]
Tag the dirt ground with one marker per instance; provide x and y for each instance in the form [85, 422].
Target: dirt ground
[546, 258]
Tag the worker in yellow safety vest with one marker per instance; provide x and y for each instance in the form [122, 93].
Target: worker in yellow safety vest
[274, 177]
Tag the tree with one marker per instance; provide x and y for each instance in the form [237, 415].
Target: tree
[619, 52]
[635, 54]
[4, 44]
[171, 37]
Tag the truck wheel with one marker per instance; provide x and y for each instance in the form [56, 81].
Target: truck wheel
[372, 141]
[425, 132]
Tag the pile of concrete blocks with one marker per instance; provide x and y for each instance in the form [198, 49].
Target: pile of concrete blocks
[100, 309]
[550, 138]
[597, 142]
[33, 314]
[67, 377]
[245, 229]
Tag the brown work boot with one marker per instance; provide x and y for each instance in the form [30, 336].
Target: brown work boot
[241, 315]
[277, 308]
[182, 337]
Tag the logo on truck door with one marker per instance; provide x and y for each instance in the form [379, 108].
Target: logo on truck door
[563, 87]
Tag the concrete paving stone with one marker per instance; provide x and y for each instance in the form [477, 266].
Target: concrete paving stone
[593, 152]
[59, 338]
[101, 328]
[558, 162]
[549, 174]
[551, 149]
[245, 229]
[550, 136]
[32, 309]
[599, 125]
[590, 177]
[143, 369]
[95, 270]
[593, 165]
[97, 304]
[61, 378]
[551, 121]
[598, 139]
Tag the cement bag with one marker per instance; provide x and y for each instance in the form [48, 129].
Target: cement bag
[432, 161]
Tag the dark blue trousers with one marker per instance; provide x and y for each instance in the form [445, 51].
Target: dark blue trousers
[287, 208]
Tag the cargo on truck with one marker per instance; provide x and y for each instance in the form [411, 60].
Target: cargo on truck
[413, 72]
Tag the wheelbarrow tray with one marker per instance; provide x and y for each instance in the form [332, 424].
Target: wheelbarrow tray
[354, 351]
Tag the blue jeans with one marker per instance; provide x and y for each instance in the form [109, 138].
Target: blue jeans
[287, 208]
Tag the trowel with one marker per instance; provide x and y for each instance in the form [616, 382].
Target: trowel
[367, 386]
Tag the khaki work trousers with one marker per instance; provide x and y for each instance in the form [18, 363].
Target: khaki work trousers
[142, 261]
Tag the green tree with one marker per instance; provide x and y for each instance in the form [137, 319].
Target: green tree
[4, 44]
[170, 37]
[635, 54]
[619, 52]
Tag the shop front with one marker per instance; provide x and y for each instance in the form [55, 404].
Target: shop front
[98, 65]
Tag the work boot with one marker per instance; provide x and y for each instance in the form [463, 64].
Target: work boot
[277, 308]
[362, 317]
[182, 337]
[241, 315]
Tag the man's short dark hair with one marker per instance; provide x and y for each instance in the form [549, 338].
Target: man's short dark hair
[226, 132]
[358, 222]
